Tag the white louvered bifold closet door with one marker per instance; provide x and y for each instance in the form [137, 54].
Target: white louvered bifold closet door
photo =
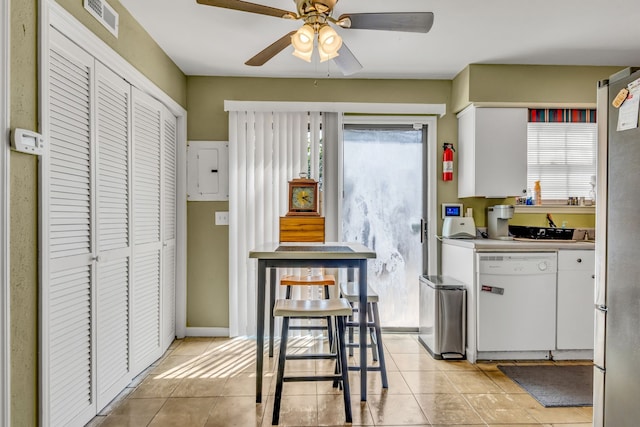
[146, 289]
[169, 161]
[68, 377]
[113, 242]
[108, 215]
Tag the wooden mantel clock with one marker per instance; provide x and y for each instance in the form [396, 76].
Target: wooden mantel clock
[303, 197]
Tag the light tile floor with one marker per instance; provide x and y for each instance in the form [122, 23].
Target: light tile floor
[210, 382]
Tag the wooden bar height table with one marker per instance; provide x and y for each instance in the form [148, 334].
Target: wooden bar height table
[303, 255]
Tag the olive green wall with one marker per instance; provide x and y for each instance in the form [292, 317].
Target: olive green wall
[207, 266]
[533, 86]
[460, 90]
[24, 218]
[136, 46]
[207, 251]
[140, 50]
[536, 85]
[540, 220]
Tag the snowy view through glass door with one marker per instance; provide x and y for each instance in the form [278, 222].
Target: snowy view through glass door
[382, 208]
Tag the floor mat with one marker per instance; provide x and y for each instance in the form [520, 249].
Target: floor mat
[553, 385]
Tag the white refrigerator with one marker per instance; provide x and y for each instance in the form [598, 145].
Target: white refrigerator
[617, 295]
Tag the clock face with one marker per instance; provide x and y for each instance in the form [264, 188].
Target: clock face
[302, 198]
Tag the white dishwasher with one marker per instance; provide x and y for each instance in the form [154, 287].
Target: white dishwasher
[516, 301]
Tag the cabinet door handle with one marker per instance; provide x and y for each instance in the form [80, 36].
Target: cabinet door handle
[579, 260]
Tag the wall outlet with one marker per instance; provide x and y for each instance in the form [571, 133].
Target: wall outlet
[222, 218]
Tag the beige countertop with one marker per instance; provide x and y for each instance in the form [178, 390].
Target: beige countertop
[487, 245]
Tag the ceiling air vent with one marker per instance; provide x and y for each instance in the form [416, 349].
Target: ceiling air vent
[103, 13]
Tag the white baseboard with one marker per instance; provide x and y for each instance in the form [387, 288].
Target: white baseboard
[207, 332]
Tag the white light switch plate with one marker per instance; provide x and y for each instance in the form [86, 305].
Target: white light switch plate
[222, 218]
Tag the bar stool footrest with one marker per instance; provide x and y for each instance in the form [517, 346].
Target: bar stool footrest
[356, 345]
[310, 356]
[356, 324]
[310, 327]
[314, 378]
[369, 368]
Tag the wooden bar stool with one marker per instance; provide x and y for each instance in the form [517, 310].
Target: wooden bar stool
[288, 309]
[349, 291]
[324, 280]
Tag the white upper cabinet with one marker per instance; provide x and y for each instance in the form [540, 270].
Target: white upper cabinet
[492, 152]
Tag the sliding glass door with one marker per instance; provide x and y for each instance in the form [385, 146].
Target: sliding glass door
[383, 206]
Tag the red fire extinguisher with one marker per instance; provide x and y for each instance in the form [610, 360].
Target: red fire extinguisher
[447, 162]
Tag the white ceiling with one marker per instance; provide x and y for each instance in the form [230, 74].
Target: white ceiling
[205, 40]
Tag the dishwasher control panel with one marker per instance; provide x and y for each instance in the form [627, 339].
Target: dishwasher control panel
[518, 263]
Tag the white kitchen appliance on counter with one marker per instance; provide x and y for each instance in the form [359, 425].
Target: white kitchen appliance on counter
[498, 221]
[458, 227]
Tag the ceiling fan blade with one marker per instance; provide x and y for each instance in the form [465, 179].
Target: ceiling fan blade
[346, 61]
[248, 7]
[270, 51]
[412, 22]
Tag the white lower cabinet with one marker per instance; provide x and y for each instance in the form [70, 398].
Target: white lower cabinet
[576, 282]
[573, 307]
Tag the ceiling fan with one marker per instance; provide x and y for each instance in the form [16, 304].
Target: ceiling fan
[317, 15]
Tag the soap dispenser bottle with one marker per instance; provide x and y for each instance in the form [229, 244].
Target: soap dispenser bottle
[537, 197]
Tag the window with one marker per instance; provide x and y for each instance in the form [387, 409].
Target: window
[561, 153]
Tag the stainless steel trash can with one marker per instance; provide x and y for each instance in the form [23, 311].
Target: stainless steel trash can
[443, 316]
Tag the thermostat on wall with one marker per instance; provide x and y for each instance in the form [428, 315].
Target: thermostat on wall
[27, 141]
[451, 209]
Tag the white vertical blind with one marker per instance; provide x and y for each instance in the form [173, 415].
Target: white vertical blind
[266, 150]
[562, 156]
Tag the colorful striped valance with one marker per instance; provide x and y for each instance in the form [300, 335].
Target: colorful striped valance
[560, 115]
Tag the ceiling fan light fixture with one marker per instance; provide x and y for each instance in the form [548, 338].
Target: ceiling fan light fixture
[324, 56]
[329, 42]
[303, 55]
[302, 40]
